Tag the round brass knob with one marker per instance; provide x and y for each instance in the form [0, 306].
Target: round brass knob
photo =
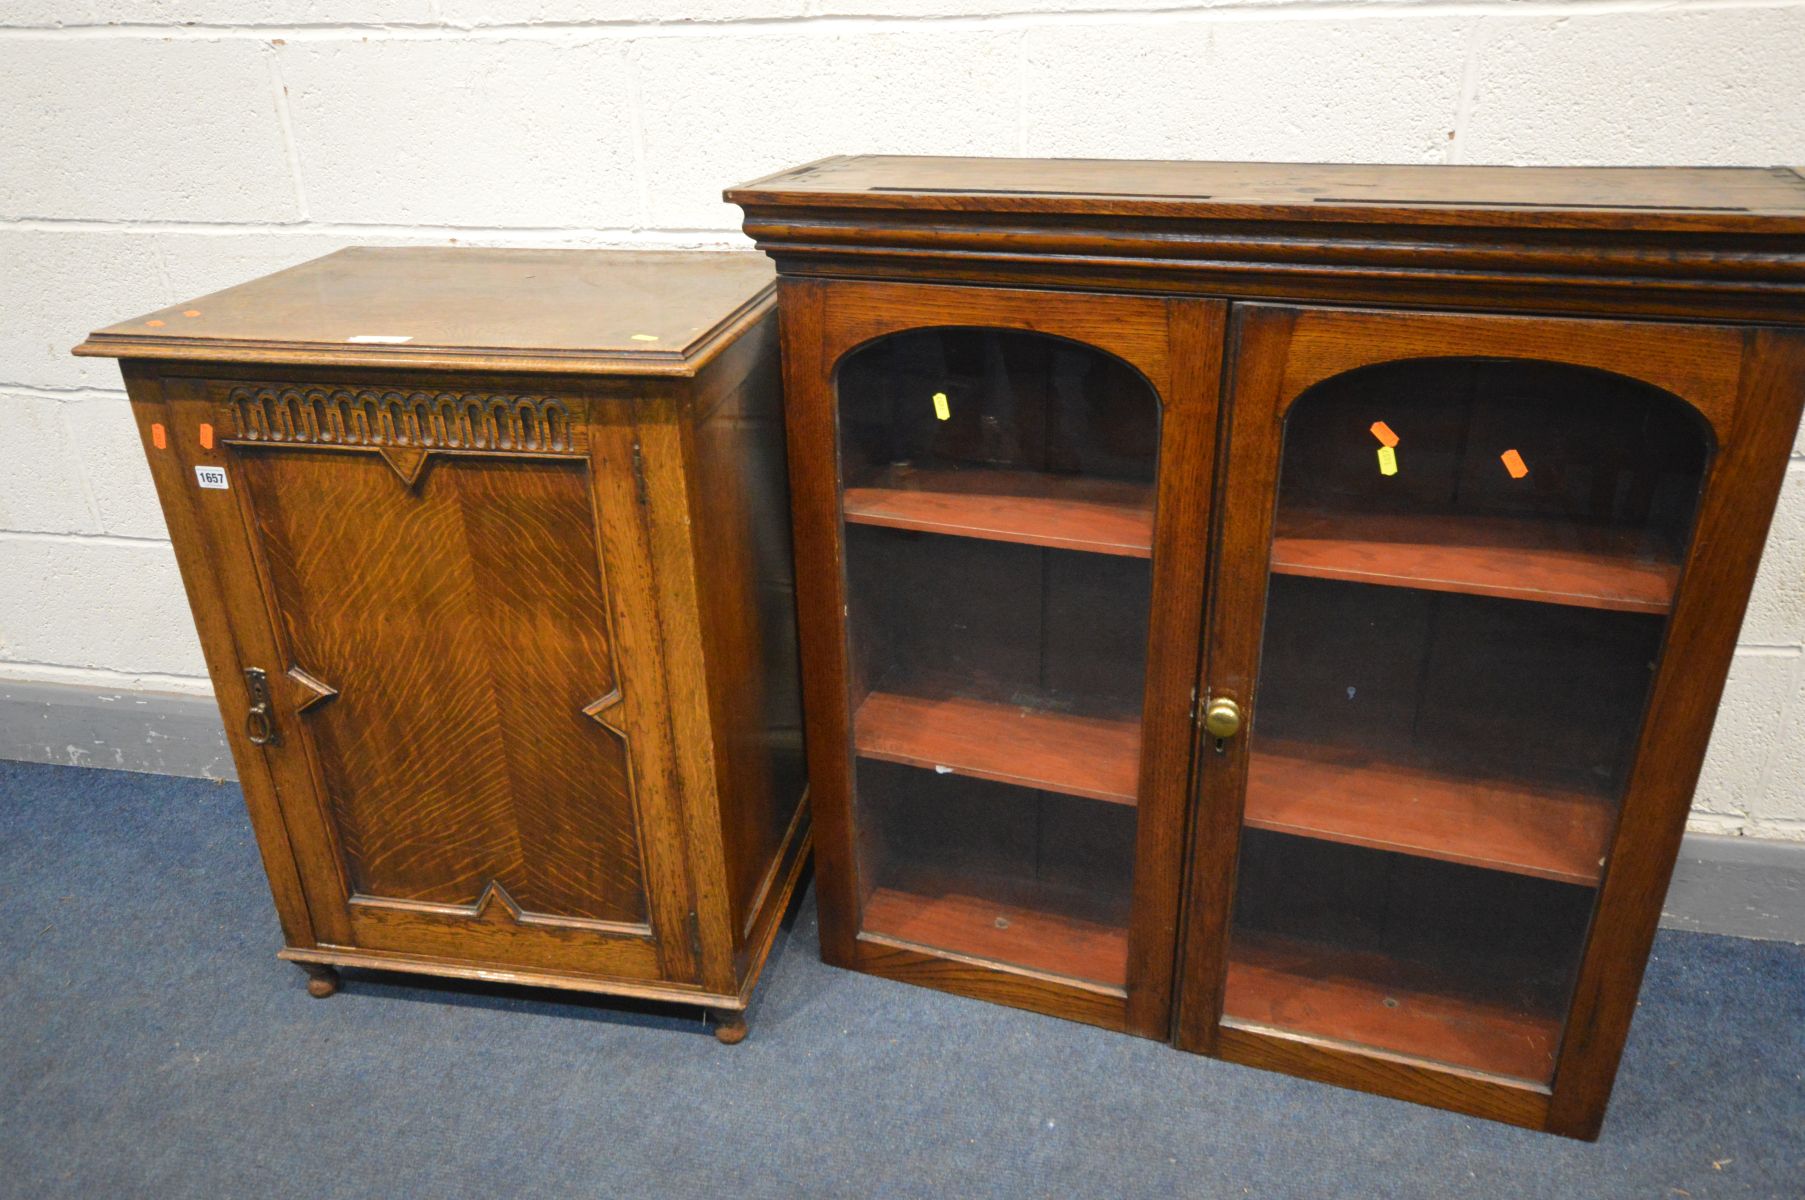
[1222, 718]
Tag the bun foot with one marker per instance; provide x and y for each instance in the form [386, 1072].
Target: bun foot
[729, 1026]
[322, 980]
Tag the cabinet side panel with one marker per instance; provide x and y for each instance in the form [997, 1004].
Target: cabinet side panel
[739, 496]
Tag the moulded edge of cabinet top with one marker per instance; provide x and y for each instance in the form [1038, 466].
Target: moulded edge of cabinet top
[594, 312]
[1701, 199]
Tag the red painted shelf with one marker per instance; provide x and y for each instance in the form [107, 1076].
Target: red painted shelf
[1027, 931]
[1516, 558]
[1363, 800]
[1511, 557]
[1367, 1000]
[1056, 752]
[1101, 516]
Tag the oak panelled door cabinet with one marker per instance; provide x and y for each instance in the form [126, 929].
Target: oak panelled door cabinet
[1278, 608]
[490, 558]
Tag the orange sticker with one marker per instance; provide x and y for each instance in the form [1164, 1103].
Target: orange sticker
[193, 312]
[206, 436]
[159, 436]
[1383, 432]
[1513, 462]
[154, 324]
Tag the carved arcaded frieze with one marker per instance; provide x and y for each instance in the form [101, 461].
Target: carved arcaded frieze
[403, 417]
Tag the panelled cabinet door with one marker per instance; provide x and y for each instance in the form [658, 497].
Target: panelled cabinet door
[1444, 759]
[449, 664]
[998, 497]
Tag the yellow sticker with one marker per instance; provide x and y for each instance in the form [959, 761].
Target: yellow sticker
[645, 337]
[940, 407]
[1388, 461]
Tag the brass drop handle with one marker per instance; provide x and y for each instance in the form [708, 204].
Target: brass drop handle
[259, 721]
[1222, 719]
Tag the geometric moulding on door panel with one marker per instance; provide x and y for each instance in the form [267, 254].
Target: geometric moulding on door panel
[604, 712]
[495, 894]
[408, 462]
[308, 691]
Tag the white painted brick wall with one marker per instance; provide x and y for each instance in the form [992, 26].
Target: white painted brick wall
[1337, 89]
[154, 150]
[121, 129]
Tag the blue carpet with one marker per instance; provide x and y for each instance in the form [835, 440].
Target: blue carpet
[154, 1047]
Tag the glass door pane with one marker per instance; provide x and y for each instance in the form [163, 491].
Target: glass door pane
[998, 508]
[1472, 564]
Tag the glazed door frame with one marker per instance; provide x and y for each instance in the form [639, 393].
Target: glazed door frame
[1175, 344]
[219, 548]
[1747, 384]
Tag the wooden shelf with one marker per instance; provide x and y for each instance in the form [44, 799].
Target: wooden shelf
[1019, 934]
[1370, 1000]
[1101, 516]
[1055, 752]
[1362, 800]
[1515, 558]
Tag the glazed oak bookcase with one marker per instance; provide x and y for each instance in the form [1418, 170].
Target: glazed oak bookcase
[1280, 609]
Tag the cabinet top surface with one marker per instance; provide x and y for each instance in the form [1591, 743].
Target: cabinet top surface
[1745, 199]
[585, 311]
